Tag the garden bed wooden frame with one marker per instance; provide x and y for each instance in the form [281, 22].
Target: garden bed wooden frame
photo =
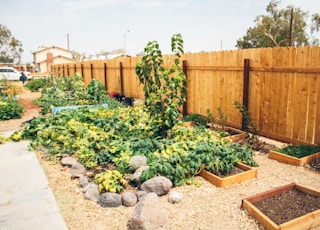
[304, 222]
[284, 158]
[241, 135]
[249, 173]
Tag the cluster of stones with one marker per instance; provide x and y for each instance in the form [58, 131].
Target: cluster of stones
[148, 213]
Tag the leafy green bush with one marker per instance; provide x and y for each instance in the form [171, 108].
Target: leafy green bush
[110, 181]
[197, 118]
[36, 84]
[10, 109]
[300, 151]
[112, 136]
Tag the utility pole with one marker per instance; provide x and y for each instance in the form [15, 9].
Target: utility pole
[221, 45]
[124, 43]
[290, 33]
[68, 42]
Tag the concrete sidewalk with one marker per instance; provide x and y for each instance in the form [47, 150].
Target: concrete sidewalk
[26, 201]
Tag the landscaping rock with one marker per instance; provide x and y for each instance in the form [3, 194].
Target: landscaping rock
[137, 161]
[136, 175]
[68, 161]
[129, 199]
[77, 170]
[92, 192]
[149, 215]
[83, 181]
[140, 194]
[175, 197]
[159, 185]
[109, 199]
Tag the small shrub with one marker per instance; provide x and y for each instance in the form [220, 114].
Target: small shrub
[110, 181]
[10, 109]
[35, 85]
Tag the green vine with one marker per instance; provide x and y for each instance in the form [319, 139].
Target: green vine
[249, 126]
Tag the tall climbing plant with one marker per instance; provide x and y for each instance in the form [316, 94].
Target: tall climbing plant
[164, 87]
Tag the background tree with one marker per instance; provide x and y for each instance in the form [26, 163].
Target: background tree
[273, 29]
[315, 27]
[10, 47]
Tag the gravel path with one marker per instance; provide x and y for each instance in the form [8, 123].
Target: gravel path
[206, 207]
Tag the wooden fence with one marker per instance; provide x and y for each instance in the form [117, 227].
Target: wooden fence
[280, 86]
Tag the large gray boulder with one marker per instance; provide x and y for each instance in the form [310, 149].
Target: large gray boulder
[77, 170]
[109, 199]
[83, 181]
[129, 199]
[137, 161]
[136, 175]
[159, 185]
[68, 161]
[91, 191]
[148, 215]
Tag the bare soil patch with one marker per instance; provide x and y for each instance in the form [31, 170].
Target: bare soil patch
[206, 207]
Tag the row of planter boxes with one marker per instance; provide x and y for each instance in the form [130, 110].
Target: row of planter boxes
[307, 221]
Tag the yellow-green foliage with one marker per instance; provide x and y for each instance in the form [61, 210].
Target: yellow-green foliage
[4, 139]
[110, 181]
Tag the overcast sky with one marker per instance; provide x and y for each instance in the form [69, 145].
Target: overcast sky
[101, 25]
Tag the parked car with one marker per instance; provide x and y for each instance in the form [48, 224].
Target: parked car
[11, 74]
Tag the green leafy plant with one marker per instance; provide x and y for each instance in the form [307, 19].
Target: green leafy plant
[164, 88]
[249, 126]
[299, 151]
[96, 91]
[110, 181]
[197, 118]
[10, 109]
[36, 84]
[217, 124]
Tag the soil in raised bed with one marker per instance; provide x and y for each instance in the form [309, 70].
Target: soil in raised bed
[315, 165]
[288, 206]
[234, 171]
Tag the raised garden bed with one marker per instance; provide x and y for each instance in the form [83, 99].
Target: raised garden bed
[292, 206]
[246, 173]
[284, 158]
[236, 135]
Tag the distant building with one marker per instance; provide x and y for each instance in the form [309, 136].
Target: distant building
[45, 57]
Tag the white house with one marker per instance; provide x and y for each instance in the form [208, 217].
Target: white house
[45, 57]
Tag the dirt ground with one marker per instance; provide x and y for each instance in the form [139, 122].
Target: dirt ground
[206, 207]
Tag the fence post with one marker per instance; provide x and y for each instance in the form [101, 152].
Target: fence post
[82, 71]
[105, 75]
[68, 73]
[121, 78]
[245, 99]
[185, 104]
[91, 70]
[75, 69]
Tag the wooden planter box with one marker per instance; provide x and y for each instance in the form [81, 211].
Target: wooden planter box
[239, 136]
[249, 173]
[283, 158]
[305, 222]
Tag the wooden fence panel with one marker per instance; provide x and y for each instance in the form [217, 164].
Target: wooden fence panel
[284, 83]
